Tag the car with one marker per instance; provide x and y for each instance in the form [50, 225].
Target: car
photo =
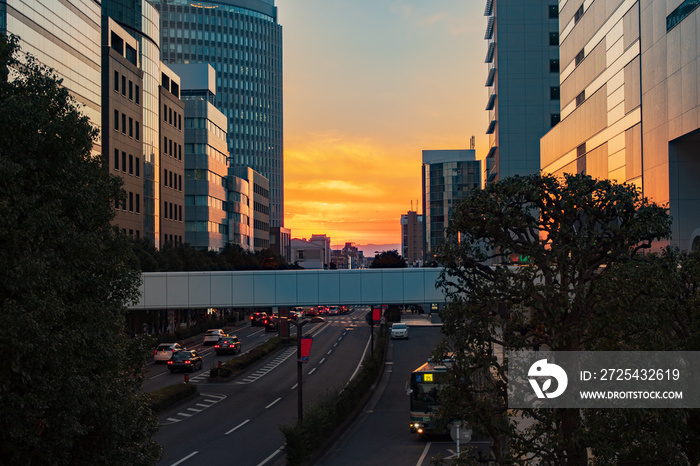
[399, 330]
[257, 319]
[271, 323]
[333, 311]
[185, 360]
[226, 345]
[212, 336]
[165, 351]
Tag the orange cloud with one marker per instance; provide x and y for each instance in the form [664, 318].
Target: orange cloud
[352, 191]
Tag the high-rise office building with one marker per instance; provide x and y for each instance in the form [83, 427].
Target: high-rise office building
[140, 19]
[122, 120]
[522, 81]
[630, 102]
[242, 40]
[412, 237]
[65, 36]
[448, 177]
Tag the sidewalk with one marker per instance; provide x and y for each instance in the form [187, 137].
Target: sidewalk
[421, 320]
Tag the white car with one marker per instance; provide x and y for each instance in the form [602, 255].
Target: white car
[165, 351]
[399, 330]
[212, 336]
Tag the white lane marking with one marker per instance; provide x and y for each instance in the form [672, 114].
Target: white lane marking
[425, 453]
[312, 371]
[275, 453]
[329, 352]
[295, 386]
[184, 414]
[238, 426]
[193, 409]
[362, 358]
[185, 458]
[157, 375]
[335, 345]
[273, 403]
[321, 361]
[254, 333]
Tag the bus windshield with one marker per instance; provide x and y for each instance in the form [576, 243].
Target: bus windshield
[424, 395]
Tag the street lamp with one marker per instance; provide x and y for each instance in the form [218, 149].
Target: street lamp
[299, 324]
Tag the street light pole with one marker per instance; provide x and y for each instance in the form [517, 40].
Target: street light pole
[299, 325]
[300, 403]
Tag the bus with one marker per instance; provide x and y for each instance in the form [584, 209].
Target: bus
[423, 390]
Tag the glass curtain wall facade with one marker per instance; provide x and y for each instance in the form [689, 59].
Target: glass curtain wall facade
[522, 82]
[242, 40]
[448, 177]
[142, 21]
[65, 36]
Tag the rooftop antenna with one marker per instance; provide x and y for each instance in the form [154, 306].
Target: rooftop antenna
[472, 142]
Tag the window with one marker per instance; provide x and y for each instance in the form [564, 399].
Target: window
[131, 164]
[170, 115]
[138, 167]
[554, 93]
[579, 57]
[580, 98]
[165, 145]
[553, 38]
[554, 118]
[578, 14]
[179, 177]
[165, 112]
[123, 85]
[170, 144]
[116, 120]
[116, 81]
[171, 180]
[138, 203]
[581, 150]
[553, 11]
[116, 159]
[179, 122]
[131, 90]
[131, 201]
[137, 93]
[123, 123]
[179, 208]
[138, 131]
[165, 177]
[554, 65]
[131, 127]
[124, 162]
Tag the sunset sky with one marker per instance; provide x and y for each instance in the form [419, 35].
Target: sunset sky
[368, 85]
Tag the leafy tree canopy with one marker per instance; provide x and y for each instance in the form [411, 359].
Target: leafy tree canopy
[388, 260]
[69, 393]
[580, 283]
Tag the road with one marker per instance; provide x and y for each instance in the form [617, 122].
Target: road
[380, 435]
[237, 423]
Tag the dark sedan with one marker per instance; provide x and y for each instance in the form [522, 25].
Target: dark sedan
[185, 360]
[228, 345]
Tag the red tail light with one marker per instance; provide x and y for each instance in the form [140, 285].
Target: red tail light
[216, 346]
[188, 362]
[170, 362]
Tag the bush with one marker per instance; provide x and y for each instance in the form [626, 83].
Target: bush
[311, 436]
[168, 396]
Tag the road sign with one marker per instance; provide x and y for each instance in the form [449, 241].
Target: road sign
[460, 433]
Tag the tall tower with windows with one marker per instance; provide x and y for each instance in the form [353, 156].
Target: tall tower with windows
[522, 82]
[242, 40]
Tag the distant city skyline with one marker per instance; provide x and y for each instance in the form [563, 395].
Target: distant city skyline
[367, 87]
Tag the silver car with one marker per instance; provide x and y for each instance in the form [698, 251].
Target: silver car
[165, 351]
[399, 330]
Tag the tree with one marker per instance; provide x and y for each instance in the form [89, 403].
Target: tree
[388, 260]
[71, 376]
[581, 283]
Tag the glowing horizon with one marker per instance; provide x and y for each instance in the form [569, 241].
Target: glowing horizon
[360, 107]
